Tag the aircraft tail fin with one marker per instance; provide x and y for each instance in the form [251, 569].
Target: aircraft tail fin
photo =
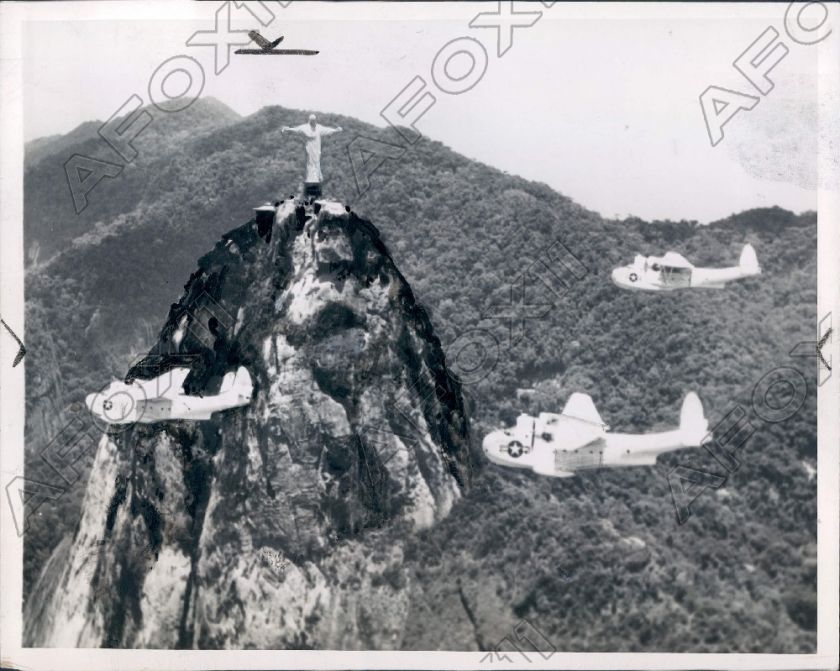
[259, 39]
[227, 382]
[238, 383]
[693, 424]
[749, 261]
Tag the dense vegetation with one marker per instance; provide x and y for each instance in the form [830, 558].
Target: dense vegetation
[596, 562]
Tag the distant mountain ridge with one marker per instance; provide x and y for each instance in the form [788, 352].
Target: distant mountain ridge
[208, 112]
[470, 239]
[51, 222]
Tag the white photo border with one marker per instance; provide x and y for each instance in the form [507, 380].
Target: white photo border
[12, 18]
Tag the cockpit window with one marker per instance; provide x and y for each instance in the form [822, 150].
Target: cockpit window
[656, 267]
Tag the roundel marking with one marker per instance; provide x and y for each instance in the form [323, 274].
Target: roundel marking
[515, 449]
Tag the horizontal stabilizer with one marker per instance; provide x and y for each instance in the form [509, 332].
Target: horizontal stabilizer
[581, 406]
[749, 260]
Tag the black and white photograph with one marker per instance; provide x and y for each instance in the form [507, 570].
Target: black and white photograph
[383, 335]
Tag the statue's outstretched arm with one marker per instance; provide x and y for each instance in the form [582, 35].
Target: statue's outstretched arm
[329, 131]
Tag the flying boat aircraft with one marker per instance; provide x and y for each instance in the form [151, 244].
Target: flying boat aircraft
[267, 48]
[577, 439]
[674, 271]
[163, 398]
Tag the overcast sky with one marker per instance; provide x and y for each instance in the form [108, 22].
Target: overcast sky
[605, 110]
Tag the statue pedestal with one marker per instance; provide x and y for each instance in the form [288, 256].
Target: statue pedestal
[311, 190]
[264, 216]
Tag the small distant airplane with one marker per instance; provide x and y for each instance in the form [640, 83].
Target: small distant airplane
[578, 439]
[674, 271]
[163, 398]
[267, 47]
[21, 349]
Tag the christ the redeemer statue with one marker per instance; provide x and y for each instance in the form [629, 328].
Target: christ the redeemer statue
[313, 133]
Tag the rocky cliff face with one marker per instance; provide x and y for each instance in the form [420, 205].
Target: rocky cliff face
[281, 524]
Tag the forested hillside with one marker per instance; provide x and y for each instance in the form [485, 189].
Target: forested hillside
[51, 222]
[596, 562]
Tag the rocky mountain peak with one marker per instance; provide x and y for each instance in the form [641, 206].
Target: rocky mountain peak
[280, 524]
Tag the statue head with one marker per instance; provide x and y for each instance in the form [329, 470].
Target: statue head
[312, 120]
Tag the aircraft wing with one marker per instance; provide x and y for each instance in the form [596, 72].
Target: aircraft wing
[581, 406]
[278, 52]
[166, 385]
[566, 432]
[674, 260]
